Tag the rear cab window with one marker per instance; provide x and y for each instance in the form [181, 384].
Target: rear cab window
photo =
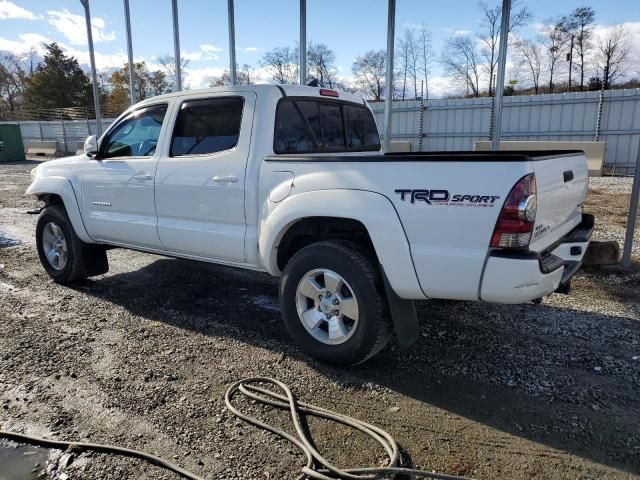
[307, 125]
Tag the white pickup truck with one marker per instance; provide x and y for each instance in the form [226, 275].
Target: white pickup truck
[290, 180]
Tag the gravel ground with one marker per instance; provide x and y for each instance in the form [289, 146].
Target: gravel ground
[141, 357]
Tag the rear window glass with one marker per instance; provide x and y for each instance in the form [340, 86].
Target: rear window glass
[310, 126]
[207, 126]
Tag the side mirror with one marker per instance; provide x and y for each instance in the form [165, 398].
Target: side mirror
[91, 146]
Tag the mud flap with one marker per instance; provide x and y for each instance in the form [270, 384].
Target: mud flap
[97, 262]
[403, 315]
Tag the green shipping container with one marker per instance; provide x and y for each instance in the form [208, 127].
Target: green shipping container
[11, 146]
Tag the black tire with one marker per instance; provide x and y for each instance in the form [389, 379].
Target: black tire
[350, 261]
[83, 259]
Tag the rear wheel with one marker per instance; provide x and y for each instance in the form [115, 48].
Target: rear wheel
[65, 258]
[333, 303]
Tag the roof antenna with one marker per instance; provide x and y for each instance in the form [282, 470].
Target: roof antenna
[313, 83]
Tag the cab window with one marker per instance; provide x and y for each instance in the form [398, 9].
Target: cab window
[136, 135]
[207, 126]
[315, 126]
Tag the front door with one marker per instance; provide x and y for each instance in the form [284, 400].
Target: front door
[200, 181]
[118, 185]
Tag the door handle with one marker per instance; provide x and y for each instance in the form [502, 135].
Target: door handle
[143, 177]
[225, 179]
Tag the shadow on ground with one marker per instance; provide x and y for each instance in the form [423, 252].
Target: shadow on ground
[559, 376]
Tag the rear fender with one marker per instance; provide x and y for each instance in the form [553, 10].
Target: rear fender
[62, 187]
[373, 210]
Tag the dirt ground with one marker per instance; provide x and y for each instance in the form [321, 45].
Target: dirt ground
[141, 357]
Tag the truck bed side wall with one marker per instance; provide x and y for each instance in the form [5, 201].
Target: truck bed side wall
[448, 241]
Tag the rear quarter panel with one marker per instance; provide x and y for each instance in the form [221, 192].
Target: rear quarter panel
[448, 240]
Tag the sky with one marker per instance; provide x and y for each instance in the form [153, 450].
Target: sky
[349, 27]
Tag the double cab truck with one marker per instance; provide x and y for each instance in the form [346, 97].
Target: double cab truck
[291, 180]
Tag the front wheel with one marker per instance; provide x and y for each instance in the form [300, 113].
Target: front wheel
[65, 257]
[333, 304]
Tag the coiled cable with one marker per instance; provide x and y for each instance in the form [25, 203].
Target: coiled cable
[317, 467]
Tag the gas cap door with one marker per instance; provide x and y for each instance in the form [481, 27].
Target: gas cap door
[282, 183]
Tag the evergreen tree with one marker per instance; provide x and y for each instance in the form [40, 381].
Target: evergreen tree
[58, 82]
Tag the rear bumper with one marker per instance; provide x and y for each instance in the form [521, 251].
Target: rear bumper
[522, 276]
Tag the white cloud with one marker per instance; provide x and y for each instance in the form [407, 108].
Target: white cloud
[191, 56]
[27, 42]
[73, 27]
[206, 52]
[201, 77]
[209, 48]
[36, 41]
[9, 10]
[250, 49]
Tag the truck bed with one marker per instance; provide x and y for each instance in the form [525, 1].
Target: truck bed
[436, 156]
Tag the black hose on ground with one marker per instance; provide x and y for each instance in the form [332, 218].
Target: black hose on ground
[317, 467]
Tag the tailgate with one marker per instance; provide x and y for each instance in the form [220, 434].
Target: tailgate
[562, 182]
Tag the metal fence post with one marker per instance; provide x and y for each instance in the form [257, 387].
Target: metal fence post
[127, 21]
[232, 43]
[596, 137]
[94, 77]
[502, 61]
[420, 119]
[39, 124]
[303, 42]
[391, 29]
[176, 46]
[64, 133]
[633, 214]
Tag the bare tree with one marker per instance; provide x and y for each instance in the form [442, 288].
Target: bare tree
[461, 61]
[168, 62]
[13, 81]
[578, 28]
[490, 34]
[402, 63]
[531, 55]
[409, 61]
[612, 54]
[282, 64]
[321, 62]
[369, 73]
[245, 75]
[426, 55]
[553, 40]
[413, 56]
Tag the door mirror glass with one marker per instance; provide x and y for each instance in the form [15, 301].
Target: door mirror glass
[91, 146]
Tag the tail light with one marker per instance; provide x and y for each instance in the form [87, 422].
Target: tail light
[518, 215]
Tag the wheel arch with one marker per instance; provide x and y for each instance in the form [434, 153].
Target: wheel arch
[371, 214]
[60, 191]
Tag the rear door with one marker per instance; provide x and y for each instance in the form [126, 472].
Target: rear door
[561, 182]
[200, 181]
[118, 185]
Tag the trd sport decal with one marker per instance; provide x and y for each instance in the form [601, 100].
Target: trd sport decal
[442, 197]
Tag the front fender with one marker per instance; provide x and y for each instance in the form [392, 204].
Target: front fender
[62, 187]
[373, 210]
